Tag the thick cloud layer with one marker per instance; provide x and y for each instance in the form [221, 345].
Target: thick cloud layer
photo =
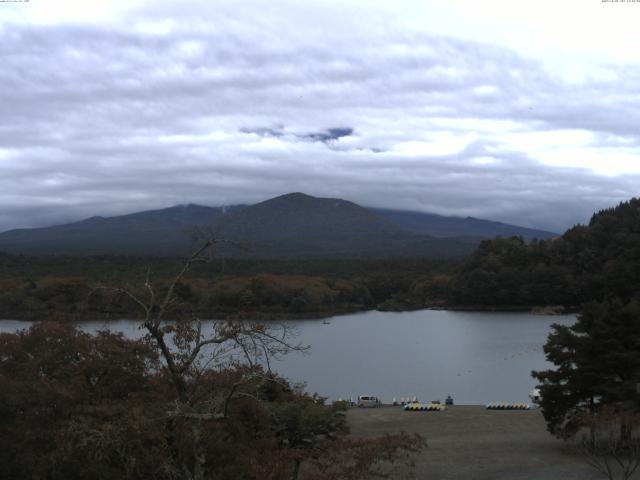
[244, 101]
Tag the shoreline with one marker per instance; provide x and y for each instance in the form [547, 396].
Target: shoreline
[549, 310]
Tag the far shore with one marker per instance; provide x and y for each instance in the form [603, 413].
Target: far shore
[267, 316]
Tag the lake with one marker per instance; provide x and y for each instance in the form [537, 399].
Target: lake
[476, 357]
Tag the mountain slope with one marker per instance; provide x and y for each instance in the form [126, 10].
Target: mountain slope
[159, 232]
[442, 227]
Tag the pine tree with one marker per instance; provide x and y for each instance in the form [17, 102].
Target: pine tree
[597, 364]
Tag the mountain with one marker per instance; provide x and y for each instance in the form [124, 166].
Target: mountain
[442, 227]
[300, 224]
[292, 225]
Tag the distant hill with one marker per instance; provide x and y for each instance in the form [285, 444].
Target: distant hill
[443, 227]
[292, 225]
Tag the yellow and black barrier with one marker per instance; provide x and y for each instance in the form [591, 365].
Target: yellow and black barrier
[508, 406]
[424, 407]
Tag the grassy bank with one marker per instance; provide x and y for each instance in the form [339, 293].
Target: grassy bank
[471, 443]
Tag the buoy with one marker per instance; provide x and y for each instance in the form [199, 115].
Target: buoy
[424, 407]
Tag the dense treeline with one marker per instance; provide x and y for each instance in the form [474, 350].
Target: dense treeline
[69, 287]
[594, 262]
[510, 272]
[127, 267]
[71, 298]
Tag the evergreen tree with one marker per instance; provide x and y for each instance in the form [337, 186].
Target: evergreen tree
[597, 364]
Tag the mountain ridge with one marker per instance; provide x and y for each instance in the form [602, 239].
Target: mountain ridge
[293, 224]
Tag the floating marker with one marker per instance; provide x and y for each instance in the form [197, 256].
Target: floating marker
[507, 406]
[424, 407]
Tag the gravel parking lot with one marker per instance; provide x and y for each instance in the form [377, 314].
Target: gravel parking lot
[470, 442]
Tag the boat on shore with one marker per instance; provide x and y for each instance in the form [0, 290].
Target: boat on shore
[535, 395]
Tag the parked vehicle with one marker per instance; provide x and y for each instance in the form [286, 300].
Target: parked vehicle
[370, 401]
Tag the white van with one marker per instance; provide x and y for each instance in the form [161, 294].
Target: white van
[369, 401]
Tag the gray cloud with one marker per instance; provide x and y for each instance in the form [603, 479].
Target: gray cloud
[240, 104]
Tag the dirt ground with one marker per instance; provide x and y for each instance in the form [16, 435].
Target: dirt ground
[470, 442]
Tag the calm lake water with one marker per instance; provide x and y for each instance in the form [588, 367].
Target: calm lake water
[476, 357]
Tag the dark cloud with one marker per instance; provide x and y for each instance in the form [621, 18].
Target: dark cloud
[324, 136]
[329, 134]
[239, 104]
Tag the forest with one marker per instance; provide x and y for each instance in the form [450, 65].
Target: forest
[597, 261]
[69, 287]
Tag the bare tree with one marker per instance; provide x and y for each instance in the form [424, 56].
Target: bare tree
[190, 348]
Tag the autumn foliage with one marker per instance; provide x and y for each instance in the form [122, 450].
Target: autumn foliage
[81, 406]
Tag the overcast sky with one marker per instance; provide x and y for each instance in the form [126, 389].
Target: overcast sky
[524, 112]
